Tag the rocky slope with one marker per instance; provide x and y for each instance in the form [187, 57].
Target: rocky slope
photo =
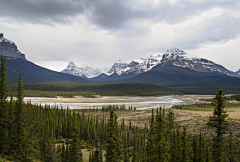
[9, 49]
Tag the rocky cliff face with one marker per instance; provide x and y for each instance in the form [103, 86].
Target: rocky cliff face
[9, 49]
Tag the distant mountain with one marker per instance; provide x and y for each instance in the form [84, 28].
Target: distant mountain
[9, 49]
[175, 57]
[238, 73]
[34, 73]
[86, 72]
[180, 58]
[188, 80]
[16, 63]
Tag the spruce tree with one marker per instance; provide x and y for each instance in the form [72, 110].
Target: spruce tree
[113, 151]
[160, 150]
[184, 147]
[201, 148]
[100, 157]
[22, 145]
[149, 137]
[4, 113]
[195, 149]
[11, 126]
[135, 157]
[170, 118]
[231, 149]
[75, 147]
[219, 122]
[90, 157]
[63, 153]
[125, 150]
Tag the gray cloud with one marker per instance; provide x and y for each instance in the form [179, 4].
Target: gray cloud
[123, 19]
[221, 29]
[41, 11]
[109, 14]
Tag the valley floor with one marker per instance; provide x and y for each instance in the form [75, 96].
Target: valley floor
[141, 103]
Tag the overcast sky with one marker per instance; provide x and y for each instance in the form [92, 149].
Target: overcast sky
[97, 33]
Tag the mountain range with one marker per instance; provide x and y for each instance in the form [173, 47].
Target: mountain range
[174, 68]
[86, 72]
[174, 57]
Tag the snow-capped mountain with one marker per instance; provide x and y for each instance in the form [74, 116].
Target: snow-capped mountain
[180, 58]
[82, 72]
[238, 73]
[174, 57]
[9, 49]
[136, 66]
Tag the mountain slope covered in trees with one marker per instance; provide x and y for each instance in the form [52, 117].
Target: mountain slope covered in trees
[34, 73]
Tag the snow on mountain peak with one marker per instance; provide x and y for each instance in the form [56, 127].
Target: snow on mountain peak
[238, 73]
[175, 57]
[71, 64]
[175, 51]
[84, 72]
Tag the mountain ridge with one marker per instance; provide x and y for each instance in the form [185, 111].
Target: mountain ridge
[175, 57]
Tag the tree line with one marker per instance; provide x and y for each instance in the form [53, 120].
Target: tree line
[106, 89]
[42, 133]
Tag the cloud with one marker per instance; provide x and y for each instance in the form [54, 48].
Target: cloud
[108, 30]
[41, 11]
[108, 14]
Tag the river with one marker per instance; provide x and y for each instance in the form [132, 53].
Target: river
[141, 103]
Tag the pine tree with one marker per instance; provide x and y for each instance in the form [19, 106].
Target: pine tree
[218, 121]
[113, 152]
[208, 159]
[160, 150]
[149, 137]
[231, 149]
[185, 146]
[201, 148]
[4, 113]
[135, 157]
[125, 150]
[67, 153]
[178, 146]
[63, 153]
[195, 149]
[100, 157]
[144, 146]
[170, 118]
[22, 145]
[11, 126]
[75, 148]
[90, 157]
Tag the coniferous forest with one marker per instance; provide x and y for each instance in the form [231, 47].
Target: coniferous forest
[42, 133]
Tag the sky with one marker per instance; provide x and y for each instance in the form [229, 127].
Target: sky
[97, 33]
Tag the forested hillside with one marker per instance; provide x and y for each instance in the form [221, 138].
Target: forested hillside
[113, 89]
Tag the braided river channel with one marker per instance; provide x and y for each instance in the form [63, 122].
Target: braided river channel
[140, 103]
